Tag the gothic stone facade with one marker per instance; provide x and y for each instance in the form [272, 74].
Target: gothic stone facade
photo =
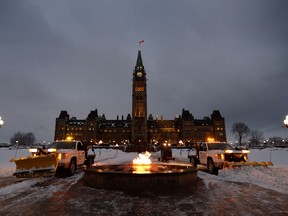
[139, 128]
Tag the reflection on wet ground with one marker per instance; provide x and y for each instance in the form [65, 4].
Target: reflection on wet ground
[68, 196]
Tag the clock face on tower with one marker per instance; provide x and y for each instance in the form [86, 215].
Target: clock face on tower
[139, 74]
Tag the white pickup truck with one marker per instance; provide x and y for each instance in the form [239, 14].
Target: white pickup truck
[71, 154]
[216, 155]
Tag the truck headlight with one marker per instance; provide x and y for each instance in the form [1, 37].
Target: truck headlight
[52, 150]
[33, 150]
[245, 151]
[229, 151]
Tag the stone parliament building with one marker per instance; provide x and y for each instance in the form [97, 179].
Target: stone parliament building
[141, 128]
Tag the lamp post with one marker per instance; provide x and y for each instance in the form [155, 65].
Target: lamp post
[1, 122]
[286, 122]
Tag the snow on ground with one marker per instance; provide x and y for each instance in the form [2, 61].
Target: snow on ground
[6, 167]
[274, 177]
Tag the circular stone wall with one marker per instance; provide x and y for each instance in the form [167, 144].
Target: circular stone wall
[125, 176]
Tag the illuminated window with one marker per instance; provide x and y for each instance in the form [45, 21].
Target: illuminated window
[139, 88]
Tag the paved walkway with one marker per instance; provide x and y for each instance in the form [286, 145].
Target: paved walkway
[68, 196]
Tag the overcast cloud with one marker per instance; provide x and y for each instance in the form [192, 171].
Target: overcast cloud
[199, 55]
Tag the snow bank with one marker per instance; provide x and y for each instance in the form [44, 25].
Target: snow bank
[278, 156]
[274, 177]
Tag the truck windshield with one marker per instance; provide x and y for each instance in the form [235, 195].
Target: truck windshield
[63, 145]
[219, 146]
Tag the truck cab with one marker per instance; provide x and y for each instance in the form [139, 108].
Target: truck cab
[215, 154]
[70, 154]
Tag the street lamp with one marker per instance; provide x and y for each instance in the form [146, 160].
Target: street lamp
[1, 122]
[286, 122]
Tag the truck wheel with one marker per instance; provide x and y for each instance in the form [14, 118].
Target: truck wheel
[193, 162]
[211, 167]
[72, 167]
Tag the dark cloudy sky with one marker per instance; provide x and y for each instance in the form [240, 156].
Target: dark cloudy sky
[199, 55]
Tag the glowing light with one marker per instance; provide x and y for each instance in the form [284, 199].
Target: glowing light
[246, 151]
[220, 156]
[52, 150]
[69, 138]
[1, 122]
[62, 156]
[34, 150]
[286, 121]
[229, 151]
[141, 169]
[209, 139]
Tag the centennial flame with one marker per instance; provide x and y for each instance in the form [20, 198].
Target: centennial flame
[141, 164]
[142, 159]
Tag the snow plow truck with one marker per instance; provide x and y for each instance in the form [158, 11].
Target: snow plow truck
[217, 155]
[60, 157]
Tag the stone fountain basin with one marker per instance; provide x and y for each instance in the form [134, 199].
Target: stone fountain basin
[127, 176]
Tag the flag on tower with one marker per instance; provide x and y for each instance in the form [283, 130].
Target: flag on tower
[142, 41]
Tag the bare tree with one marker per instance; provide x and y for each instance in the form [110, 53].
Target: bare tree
[17, 138]
[241, 131]
[23, 138]
[256, 137]
[30, 138]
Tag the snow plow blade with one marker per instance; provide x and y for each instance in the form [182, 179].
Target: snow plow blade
[35, 166]
[240, 164]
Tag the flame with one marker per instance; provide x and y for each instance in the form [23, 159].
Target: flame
[142, 159]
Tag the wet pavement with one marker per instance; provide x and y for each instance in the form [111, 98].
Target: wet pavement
[68, 196]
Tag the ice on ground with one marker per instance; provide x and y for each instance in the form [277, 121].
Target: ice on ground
[19, 186]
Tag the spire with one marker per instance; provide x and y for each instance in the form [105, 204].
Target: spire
[139, 59]
[139, 71]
